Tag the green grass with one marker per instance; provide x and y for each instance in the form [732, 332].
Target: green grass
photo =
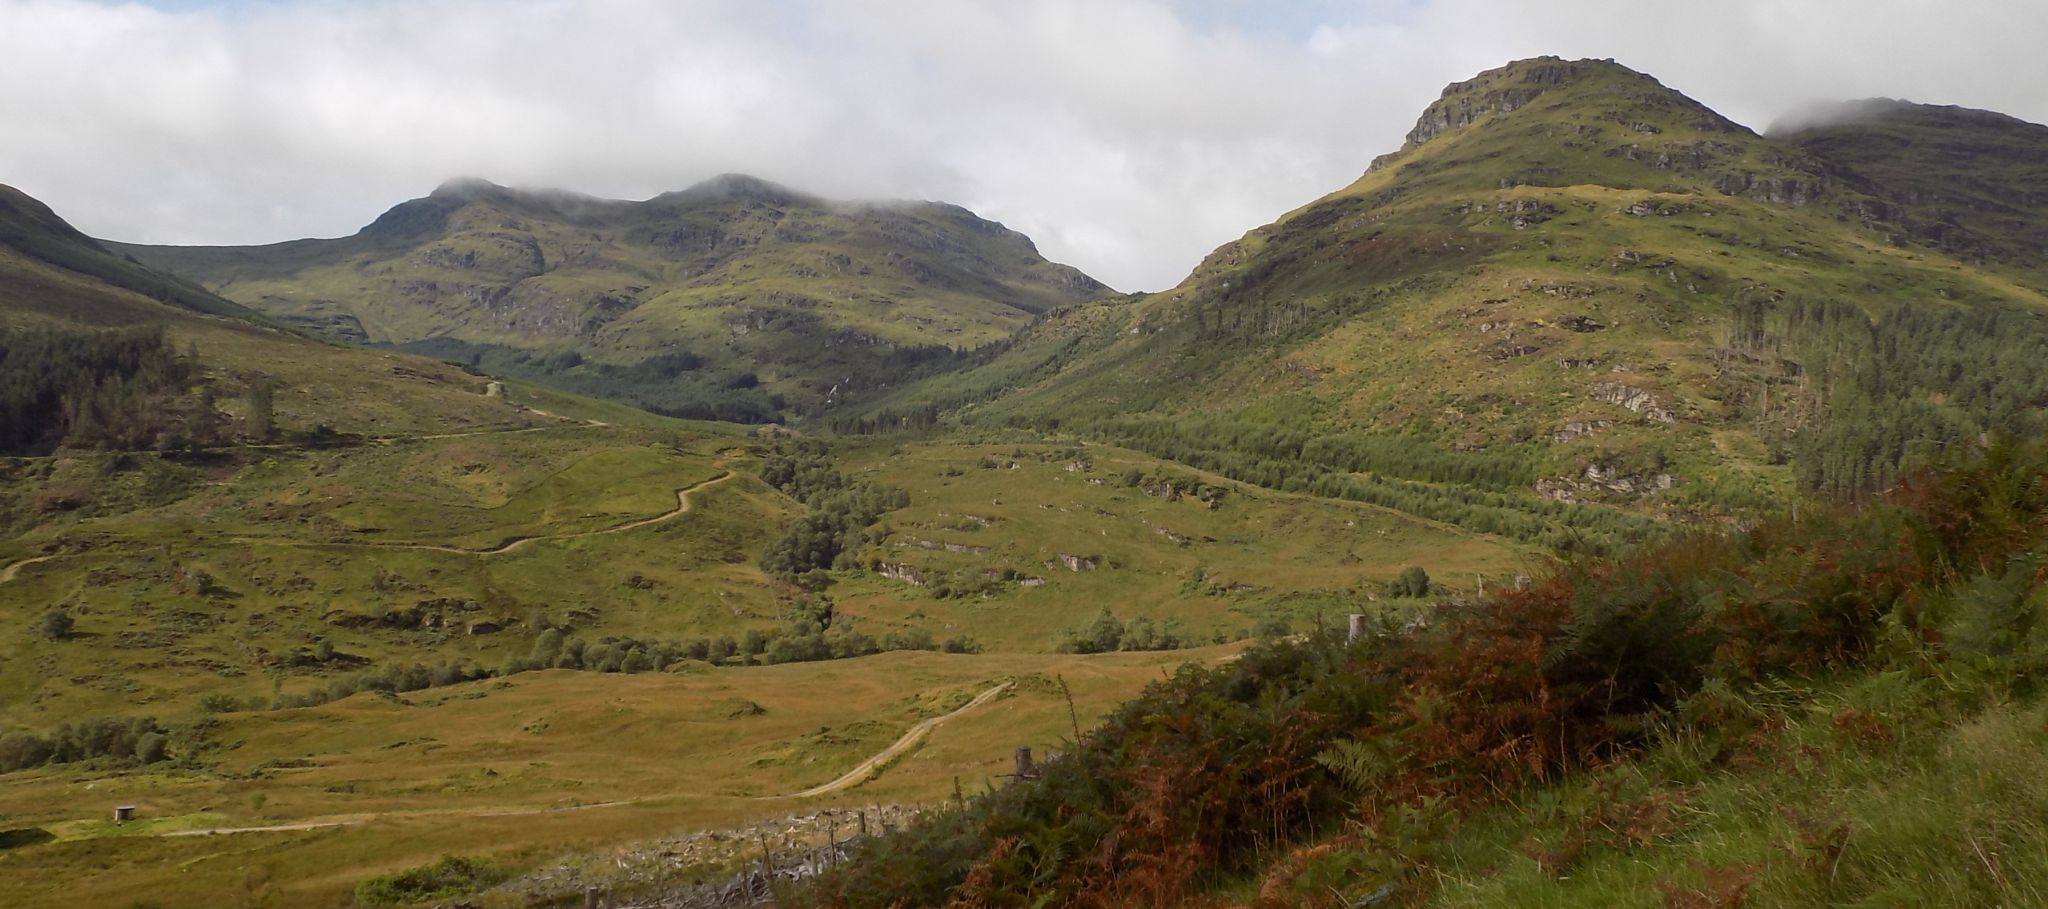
[520, 771]
[1259, 555]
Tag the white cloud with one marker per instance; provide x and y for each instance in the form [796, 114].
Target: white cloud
[1128, 137]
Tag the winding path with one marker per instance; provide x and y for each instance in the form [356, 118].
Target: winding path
[8, 573]
[858, 775]
[867, 768]
[682, 507]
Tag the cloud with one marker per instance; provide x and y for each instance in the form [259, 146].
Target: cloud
[1129, 137]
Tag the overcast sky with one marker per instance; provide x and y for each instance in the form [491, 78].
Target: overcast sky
[1128, 137]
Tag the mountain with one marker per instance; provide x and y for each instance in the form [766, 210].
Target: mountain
[58, 286]
[31, 233]
[736, 297]
[1972, 183]
[1571, 284]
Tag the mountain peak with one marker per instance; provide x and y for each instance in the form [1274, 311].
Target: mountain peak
[1627, 95]
[464, 187]
[741, 188]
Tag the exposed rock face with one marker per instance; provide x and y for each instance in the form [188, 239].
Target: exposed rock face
[1776, 190]
[1579, 429]
[1512, 87]
[1077, 563]
[1494, 92]
[937, 546]
[1632, 399]
[1599, 481]
[908, 574]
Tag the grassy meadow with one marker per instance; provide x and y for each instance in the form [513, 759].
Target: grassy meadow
[204, 588]
[524, 769]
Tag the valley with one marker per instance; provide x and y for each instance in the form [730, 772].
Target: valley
[560, 541]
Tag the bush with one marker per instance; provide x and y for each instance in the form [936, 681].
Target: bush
[152, 747]
[130, 741]
[57, 624]
[1412, 582]
[453, 875]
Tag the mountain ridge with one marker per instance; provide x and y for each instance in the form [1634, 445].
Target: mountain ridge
[1568, 266]
[766, 297]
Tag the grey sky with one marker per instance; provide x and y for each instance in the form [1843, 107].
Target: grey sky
[1128, 137]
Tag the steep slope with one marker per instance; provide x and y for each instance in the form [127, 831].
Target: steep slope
[29, 230]
[684, 303]
[1969, 182]
[53, 278]
[1570, 284]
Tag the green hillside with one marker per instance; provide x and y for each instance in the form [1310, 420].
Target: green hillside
[30, 230]
[1613, 416]
[735, 299]
[1571, 285]
[55, 283]
[1972, 183]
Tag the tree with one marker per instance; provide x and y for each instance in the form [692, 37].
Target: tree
[1412, 582]
[151, 748]
[723, 649]
[1100, 636]
[547, 646]
[262, 421]
[57, 624]
[1141, 634]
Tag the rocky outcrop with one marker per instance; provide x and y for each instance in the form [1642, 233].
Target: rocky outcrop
[908, 574]
[1579, 429]
[1775, 189]
[1077, 563]
[939, 546]
[1632, 399]
[1604, 482]
[1179, 539]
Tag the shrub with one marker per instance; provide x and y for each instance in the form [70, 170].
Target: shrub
[56, 624]
[453, 875]
[1412, 582]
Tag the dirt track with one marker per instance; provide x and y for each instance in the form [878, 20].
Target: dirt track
[859, 774]
[682, 507]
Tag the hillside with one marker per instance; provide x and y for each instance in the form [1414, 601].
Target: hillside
[1841, 710]
[1971, 183]
[57, 283]
[1571, 284]
[30, 231]
[735, 298]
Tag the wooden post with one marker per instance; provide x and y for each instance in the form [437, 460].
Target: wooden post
[1357, 628]
[767, 863]
[590, 898]
[1024, 769]
[863, 822]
